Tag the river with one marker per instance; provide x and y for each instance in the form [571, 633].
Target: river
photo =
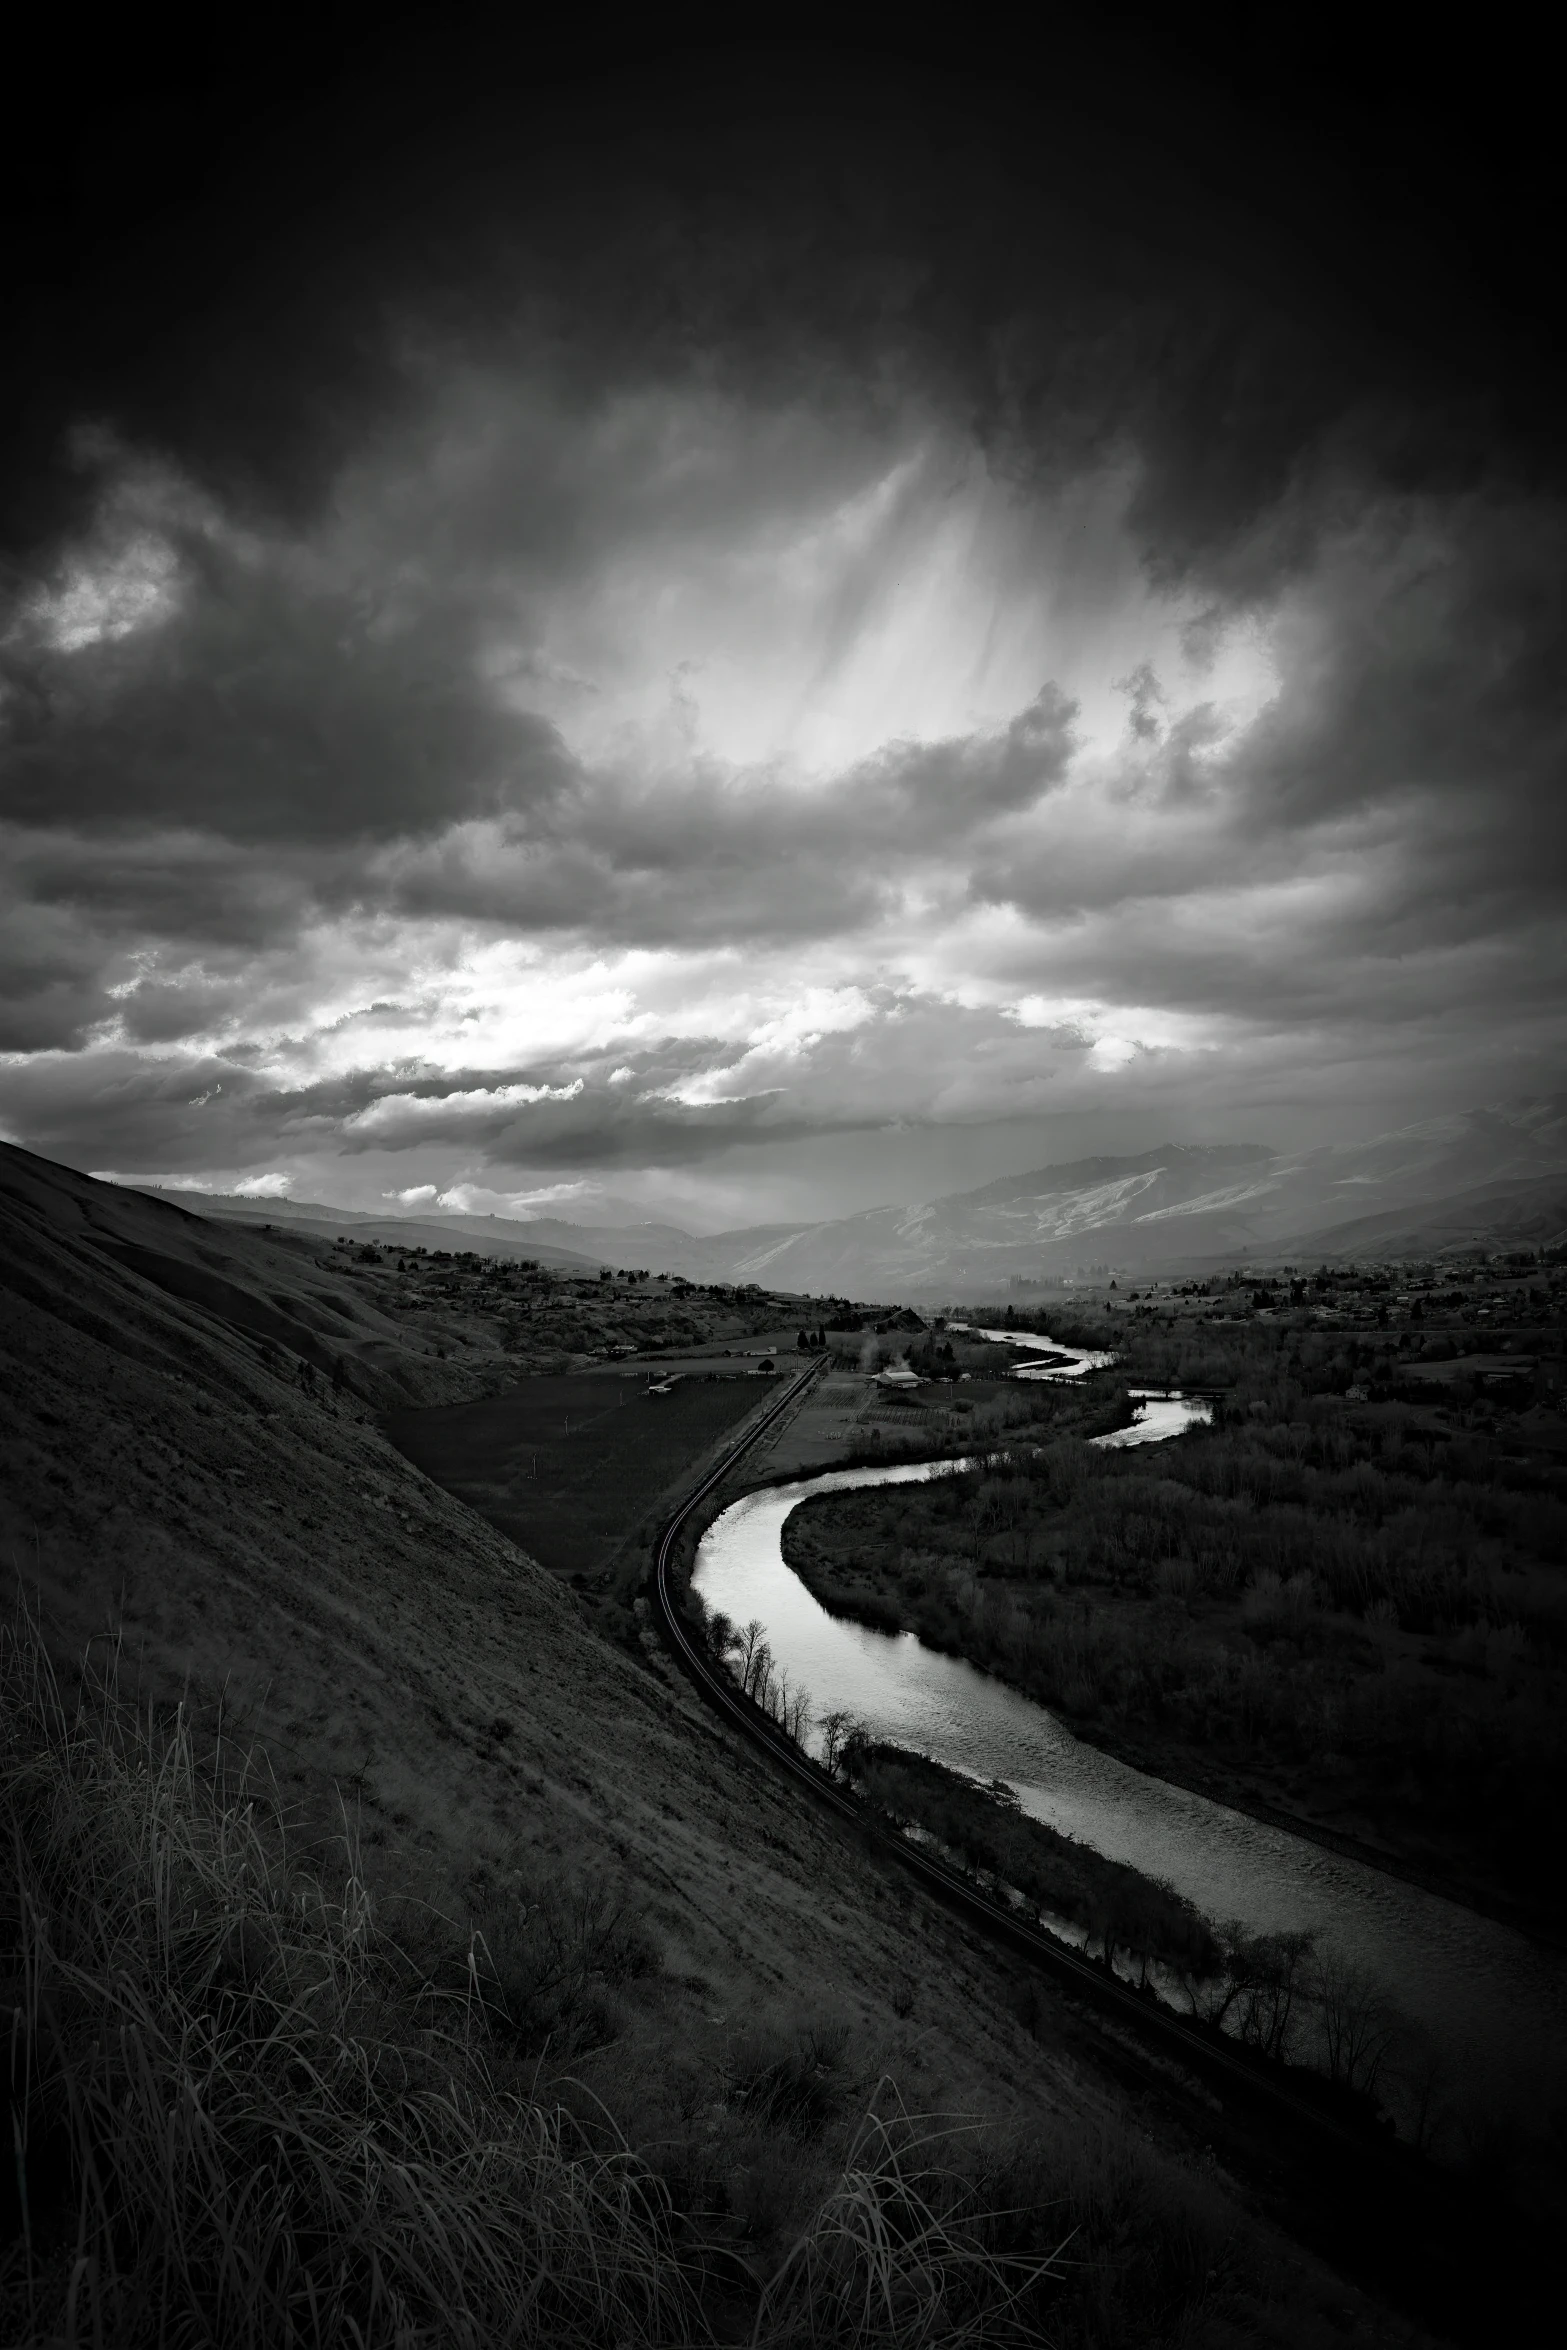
[1493, 2002]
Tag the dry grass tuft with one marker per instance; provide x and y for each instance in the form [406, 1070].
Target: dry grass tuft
[239, 2117]
[899, 2257]
[246, 2116]
[243, 2115]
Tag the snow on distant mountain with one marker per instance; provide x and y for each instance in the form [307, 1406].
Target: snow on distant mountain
[1044, 1220]
[1189, 1204]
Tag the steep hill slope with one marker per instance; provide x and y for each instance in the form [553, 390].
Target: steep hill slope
[65, 1238]
[390, 1651]
[491, 1235]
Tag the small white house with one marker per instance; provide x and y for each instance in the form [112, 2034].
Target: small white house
[899, 1376]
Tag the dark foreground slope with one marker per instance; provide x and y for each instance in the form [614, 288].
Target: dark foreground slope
[246, 1541]
[400, 1665]
[91, 1250]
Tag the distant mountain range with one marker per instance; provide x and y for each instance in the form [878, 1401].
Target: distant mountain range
[1495, 1178]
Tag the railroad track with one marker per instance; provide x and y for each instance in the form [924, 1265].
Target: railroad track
[1351, 2192]
[1194, 2047]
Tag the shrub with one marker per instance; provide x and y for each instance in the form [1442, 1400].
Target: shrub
[797, 2079]
[548, 1957]
[1146, 2254]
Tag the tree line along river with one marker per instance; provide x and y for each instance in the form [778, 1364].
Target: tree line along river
[1493, 2002]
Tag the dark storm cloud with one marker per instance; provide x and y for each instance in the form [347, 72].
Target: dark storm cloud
[124, 882]
[1242, 295]
[212, 1111]
[602, 1130]
[235, 771]
[273, 660]
[122, 1107]
[1229, 254]
[1435, 667]
[50, 978]
[267, 705]
[158, 931]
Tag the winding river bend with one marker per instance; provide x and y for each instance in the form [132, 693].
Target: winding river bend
[1494, 2002]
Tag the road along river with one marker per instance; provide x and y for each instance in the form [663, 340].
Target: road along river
[1493, 2002]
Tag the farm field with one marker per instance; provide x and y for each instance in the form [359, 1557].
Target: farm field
[568, 1466]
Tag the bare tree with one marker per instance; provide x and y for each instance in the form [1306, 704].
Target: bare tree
[797, 1719]
[1264, 1980]
[1356, 2023]
[789, 1707]
[747, 1639]
[838, 1728]
[1274, 1983]
[1426, 2083]
[759, 1680]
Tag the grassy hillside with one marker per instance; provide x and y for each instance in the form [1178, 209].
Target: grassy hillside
[469, 1797]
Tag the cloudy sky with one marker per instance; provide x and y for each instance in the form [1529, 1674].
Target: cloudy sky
[730, 635]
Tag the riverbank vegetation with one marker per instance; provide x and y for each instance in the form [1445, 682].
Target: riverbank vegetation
[1114, 1905]
[1352, 1613]
[1271, 1992]
[982, 1828]
[986, 1411]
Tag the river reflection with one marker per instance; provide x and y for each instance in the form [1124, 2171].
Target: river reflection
[1064, 1362]
[1157, 1416]
[1495, 2003]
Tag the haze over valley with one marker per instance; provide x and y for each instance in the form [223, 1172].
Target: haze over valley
[1493, 1179]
